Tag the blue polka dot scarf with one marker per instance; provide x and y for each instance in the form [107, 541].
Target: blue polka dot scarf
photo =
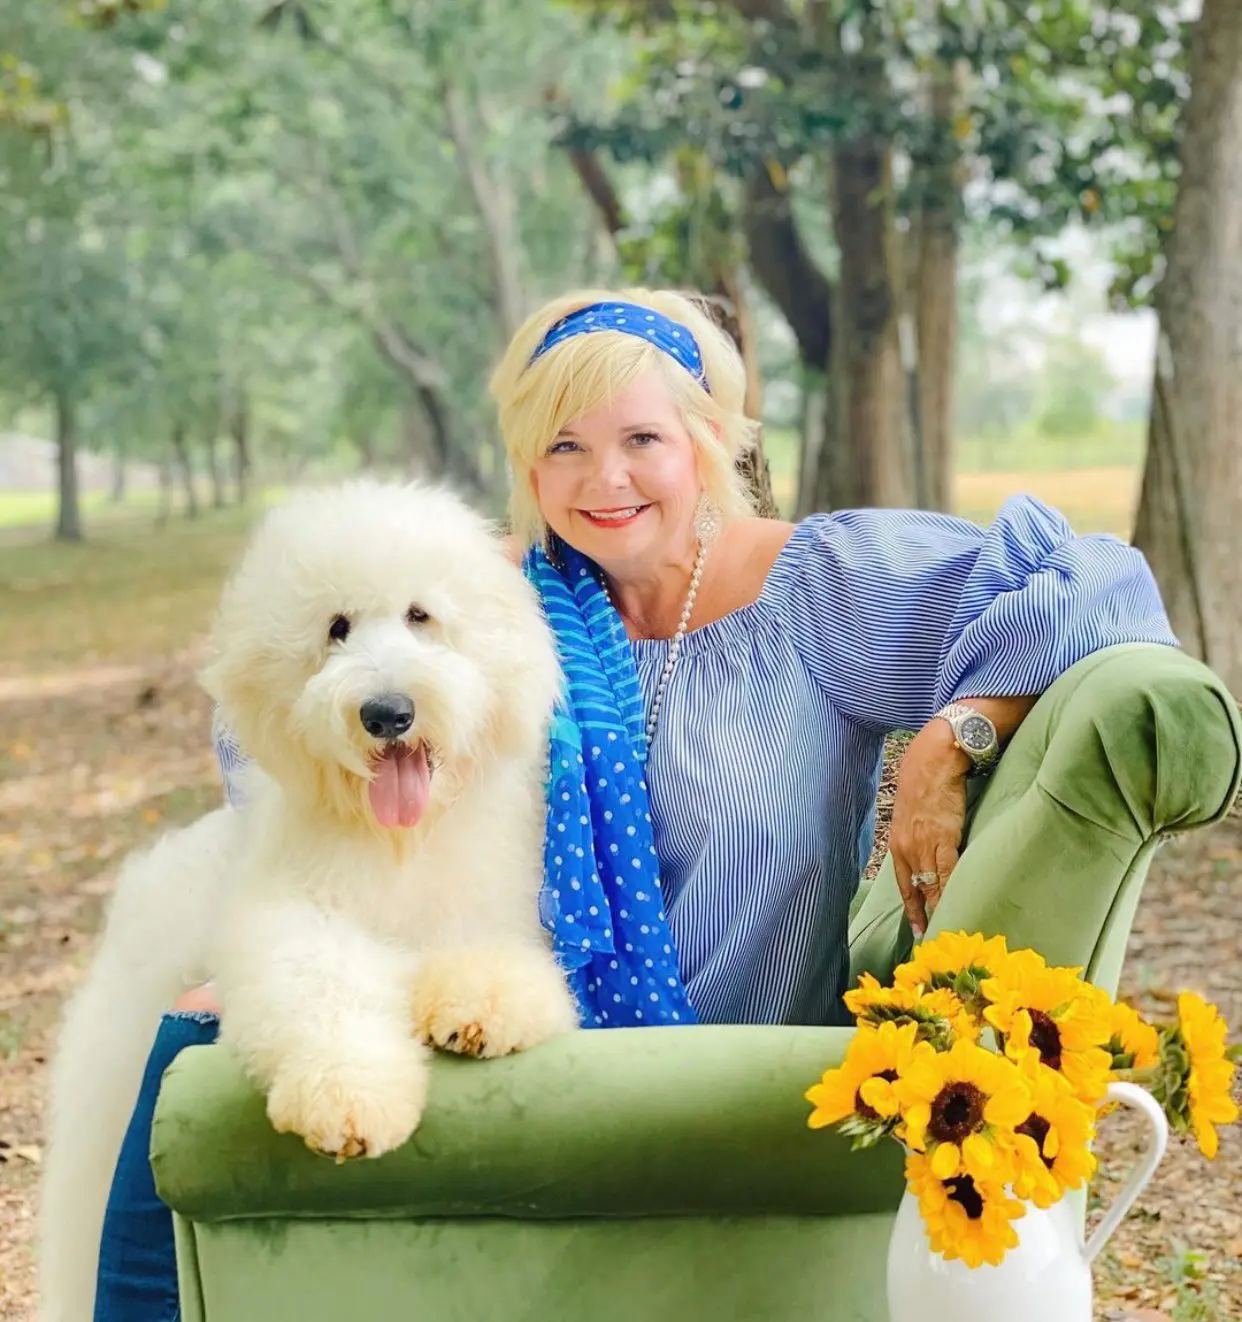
[601, 897]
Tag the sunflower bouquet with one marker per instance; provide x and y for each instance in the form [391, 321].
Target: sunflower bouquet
[991, 1067]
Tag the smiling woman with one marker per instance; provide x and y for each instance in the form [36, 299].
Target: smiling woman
[755, 666]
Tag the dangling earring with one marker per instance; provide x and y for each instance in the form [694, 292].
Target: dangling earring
[707, 521]
[552, 549]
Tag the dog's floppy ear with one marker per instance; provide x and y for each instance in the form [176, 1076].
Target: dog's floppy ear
[229, 662]
[237, 674]
[527, 678]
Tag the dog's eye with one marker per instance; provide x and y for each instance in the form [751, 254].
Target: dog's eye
[338, 630]
[416, 615]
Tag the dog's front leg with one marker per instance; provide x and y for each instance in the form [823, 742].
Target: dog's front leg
[490, 1000]
[318, 1012]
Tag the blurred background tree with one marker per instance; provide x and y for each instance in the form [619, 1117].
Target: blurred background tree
[252, 243]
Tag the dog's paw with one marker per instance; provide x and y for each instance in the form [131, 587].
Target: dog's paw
[362, 1106]
[491, 1002]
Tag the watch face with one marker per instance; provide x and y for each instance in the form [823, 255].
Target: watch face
[975, 734]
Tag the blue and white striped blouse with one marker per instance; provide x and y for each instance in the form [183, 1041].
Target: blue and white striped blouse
[764, 767]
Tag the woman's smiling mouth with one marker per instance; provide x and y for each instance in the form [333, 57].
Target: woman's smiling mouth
[615, 518]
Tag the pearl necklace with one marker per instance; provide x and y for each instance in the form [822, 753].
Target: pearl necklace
[683, 624]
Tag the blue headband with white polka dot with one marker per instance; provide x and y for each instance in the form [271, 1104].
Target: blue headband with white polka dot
[670, 336]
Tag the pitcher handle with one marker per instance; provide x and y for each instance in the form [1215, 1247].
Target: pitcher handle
[1139, 1099]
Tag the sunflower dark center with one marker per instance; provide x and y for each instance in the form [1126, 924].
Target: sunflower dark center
[1046, 1038]
[956, 1113]
[861, 1107]
[963, 1192]
[1036, 1127]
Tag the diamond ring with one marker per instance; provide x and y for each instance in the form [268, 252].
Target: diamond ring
[925, 880]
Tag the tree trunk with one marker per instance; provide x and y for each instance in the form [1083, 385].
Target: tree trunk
[936, 333]
[496, 204]
[933, 293]
[239, 430]
[784, 268]
[164, 510]
[68, 507]
[816, 410]
[730, 311]
[869, 465]
[1187, 521]
[185, 468]
[423, 458]
[215, 473]
[120, 475]
[364, 443]
[745, 336]
[790, 276]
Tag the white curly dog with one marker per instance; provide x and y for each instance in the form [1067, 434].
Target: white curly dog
[390, 672]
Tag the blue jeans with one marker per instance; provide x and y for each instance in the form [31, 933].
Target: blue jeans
[137, 1262]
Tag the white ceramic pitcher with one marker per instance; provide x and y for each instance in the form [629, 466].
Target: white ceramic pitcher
[1047, 1276]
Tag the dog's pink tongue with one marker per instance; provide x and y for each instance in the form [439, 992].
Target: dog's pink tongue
[401, 786]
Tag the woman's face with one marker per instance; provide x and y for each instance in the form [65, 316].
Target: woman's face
[620, 483]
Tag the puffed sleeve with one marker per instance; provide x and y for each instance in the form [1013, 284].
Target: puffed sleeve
[897, 612]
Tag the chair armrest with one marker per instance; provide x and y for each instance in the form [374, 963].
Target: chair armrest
[1131, 743]
[604, 1123]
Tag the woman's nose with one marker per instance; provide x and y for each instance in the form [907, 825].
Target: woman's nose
[611, 471]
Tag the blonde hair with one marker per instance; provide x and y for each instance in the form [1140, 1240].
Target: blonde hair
[536, 400]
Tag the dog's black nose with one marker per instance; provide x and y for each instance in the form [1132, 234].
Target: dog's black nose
[388, 716]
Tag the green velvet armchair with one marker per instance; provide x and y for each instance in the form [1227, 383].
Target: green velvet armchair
[668, 1174]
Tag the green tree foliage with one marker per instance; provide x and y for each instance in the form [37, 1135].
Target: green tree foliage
[324, 217]
[1069, 109]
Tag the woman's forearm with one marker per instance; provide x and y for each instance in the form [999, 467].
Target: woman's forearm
[1004, 713]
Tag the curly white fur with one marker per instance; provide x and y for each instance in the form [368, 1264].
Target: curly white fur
[341, 948]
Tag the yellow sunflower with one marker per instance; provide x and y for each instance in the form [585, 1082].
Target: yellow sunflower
[1210, 1075]
[1052, 1013]
[1054, 1141]
[955, 960]
[965, 1218]
[961, 1107]
[941, 1016]
[1133, 1043]
[860, 1090]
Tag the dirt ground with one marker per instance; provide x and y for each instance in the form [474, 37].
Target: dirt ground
[104, 741]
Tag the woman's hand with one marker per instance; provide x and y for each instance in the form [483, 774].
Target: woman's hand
[929, 816]
[929, 812]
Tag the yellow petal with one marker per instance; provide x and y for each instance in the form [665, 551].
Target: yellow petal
[917, 1119]
[946, 1161]
[879, 1095]
[979, 1155]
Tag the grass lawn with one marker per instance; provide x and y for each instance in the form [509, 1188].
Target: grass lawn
[1095, 485]
[24, 509]
[126, 592]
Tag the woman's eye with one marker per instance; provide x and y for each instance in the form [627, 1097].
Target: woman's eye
[338, 630]
[562, 447]
[416, 615]
[644, 438]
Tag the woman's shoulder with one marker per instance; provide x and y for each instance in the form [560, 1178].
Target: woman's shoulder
[855, 554]
[762, 540]
[876, 537]
[741, 563]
